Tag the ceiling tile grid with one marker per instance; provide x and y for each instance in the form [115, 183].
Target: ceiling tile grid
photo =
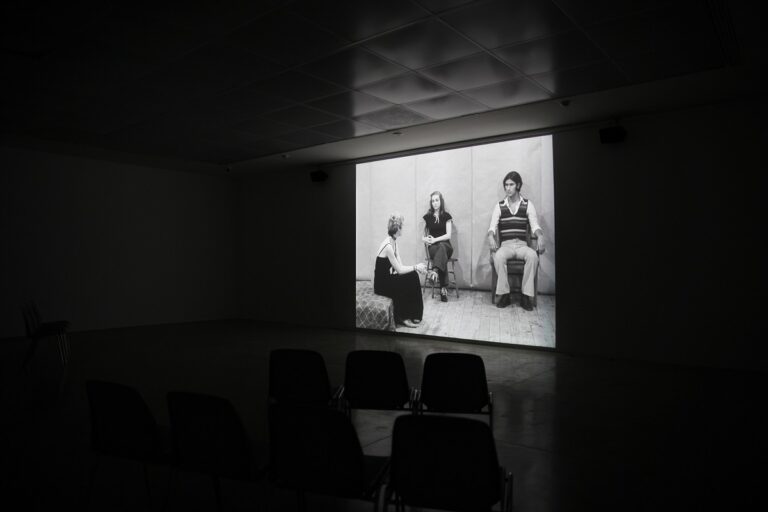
[240, 80]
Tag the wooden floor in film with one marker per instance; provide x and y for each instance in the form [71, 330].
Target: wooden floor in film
[472, 316]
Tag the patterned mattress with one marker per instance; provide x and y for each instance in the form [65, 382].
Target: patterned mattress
[373, 311]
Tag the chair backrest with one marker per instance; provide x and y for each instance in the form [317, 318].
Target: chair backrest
[121, 423]
[315, 449]
[444, 462]
[208, 435]
[298, 376]
[454, 382]
[32, 319]
[375, 379]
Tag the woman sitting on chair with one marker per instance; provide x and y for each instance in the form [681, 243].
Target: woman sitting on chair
[397, 281]
[438, 239]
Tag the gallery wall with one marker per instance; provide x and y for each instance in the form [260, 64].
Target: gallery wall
[296, 247]
[658, 241]
[108, 245]
[658, 238]
[470, 180]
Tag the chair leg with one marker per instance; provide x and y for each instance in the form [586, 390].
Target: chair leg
[509, 496]
[172, 477]
[91, 478]
[60, 347]
[146, 483]
[217, 491]
[67, 348]
[302, 501]
[490, 417]
[453, 274]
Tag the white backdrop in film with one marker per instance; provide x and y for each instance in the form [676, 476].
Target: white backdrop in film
[470, 180]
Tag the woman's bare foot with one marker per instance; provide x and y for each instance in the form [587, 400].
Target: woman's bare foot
[444, 295]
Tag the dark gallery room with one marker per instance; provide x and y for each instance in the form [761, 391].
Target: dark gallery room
[368, 255]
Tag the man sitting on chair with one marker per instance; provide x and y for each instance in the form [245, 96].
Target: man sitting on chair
[511, 218]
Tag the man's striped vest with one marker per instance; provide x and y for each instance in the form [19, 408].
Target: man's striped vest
[513, 226]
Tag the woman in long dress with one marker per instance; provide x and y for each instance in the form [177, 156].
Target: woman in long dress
[398, 281]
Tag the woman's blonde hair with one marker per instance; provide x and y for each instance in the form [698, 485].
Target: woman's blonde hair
[394, 223]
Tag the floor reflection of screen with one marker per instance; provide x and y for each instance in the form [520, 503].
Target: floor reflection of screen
[462, 299]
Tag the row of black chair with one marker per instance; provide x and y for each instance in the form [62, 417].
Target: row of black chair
[436, 461]
[206, 435]
[374, 379]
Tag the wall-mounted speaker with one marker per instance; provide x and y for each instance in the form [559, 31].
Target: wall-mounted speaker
[318, 175]
[612, 135]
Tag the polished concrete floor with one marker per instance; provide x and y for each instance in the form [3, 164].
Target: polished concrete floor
[578, 433]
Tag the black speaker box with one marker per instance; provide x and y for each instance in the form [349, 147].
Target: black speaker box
[318, 175]
[612, 135]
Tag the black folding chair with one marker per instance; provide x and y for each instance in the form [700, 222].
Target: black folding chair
[376, 379]
[122, 426]
[299, 377]
[455, 383]
[316, 450]
[209, 438]
[448, 463]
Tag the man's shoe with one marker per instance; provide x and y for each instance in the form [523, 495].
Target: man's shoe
[503, 301]
[527, 303]
[443, 295]
[409, 323]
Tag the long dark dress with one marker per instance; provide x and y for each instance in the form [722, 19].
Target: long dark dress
[404, 290]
